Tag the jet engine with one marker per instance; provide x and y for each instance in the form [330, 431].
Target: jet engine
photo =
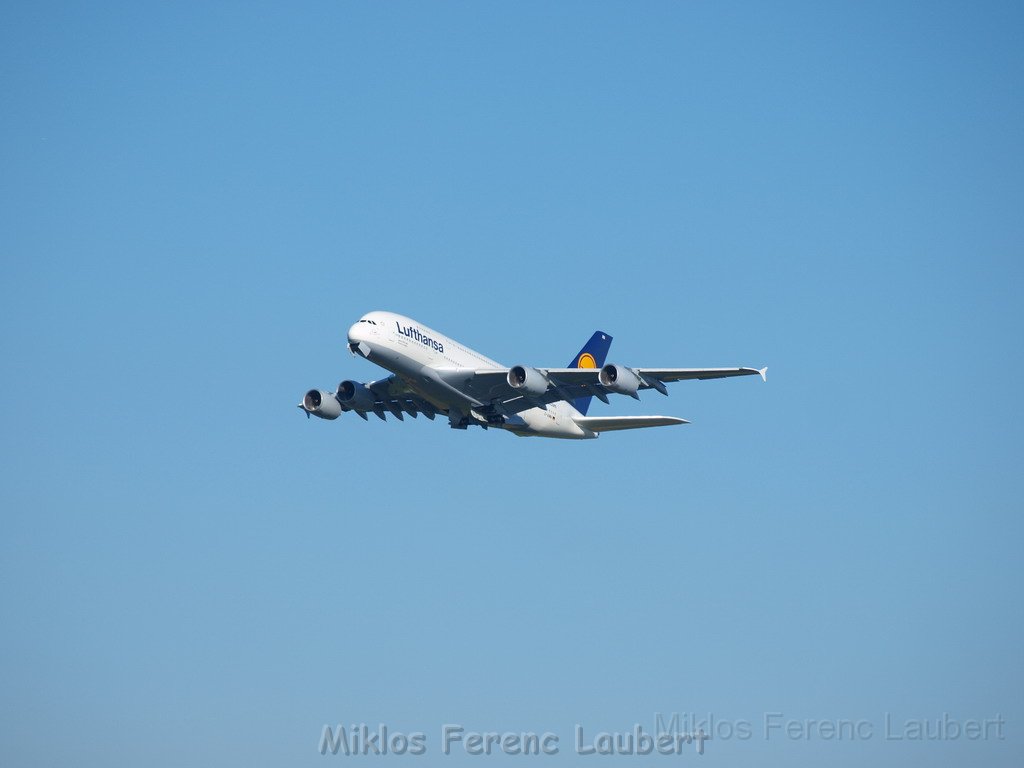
[616, 378]
[322, 404]
[529, 381]
[356, 396]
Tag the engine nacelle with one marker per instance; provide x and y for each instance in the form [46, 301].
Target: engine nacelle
[356, 396]
[619, 380]
[321, 404]
[529, 381]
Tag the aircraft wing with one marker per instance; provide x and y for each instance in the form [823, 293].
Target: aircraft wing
[664, 375]
[483, 384]
[681, 374]
[490, 385]
[391, 396]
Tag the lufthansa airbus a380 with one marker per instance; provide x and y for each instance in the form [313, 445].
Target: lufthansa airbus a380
[433, 374]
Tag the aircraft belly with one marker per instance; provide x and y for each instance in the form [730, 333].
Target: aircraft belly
[548, 423]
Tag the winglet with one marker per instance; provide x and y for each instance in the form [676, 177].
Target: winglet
[764, 374]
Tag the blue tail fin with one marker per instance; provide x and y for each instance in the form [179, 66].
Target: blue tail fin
[592, 355]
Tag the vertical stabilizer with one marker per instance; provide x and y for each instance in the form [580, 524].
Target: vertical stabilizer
[592, 355]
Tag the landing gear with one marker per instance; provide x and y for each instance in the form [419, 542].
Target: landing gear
[458, 420]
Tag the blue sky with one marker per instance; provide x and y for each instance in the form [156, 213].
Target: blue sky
[198, 199]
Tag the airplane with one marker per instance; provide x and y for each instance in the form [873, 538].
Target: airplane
[434, 375]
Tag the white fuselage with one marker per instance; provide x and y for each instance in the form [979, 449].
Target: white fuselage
[414, 352]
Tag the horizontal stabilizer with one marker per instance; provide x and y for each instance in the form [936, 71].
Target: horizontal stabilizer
[611, 423]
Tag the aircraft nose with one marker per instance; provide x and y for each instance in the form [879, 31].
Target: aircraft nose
[354, 336]
[357, 336]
